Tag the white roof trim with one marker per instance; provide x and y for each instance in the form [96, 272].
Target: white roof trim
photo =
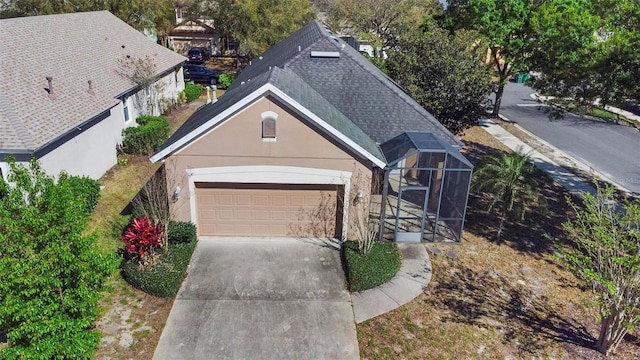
[248, 100]
[207, 125]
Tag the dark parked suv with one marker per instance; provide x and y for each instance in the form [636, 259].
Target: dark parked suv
[198, 55]
[200, 74]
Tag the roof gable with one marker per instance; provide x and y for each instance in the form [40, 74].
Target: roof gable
[72, 49]
[325, 118]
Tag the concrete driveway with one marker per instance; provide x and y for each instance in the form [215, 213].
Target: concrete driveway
[254, 298]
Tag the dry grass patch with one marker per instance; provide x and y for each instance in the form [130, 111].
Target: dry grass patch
[131, 321]
[508, 301]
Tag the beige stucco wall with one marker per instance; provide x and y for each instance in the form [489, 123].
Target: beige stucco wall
[238, 142]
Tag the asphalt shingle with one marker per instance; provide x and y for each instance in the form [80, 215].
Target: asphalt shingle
[73, 49]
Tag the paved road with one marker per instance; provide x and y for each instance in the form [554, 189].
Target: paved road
[261, 299]
[611, 149]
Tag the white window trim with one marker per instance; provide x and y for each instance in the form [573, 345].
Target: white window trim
[269, 115]
[125, 110]
[270, 174]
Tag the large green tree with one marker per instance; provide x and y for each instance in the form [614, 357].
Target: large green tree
[564, 48]
[443, 72]
[255, 24]
[377, 21]
[587, 50]
[606, 255]
[51, 270]
[504, 25]
[155, 15]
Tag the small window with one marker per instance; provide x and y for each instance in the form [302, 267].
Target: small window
[125, 108]
[269, 128]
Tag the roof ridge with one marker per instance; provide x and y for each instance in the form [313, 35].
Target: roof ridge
[15, 122]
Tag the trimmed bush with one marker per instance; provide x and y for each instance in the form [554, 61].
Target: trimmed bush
[225, 80]
[180, 232]
[192, 91]
[142, 139]
[146, 119]
[164, 277]
[379, 266]
[86, 188]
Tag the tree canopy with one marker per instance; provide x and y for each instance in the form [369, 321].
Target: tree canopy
[155, 15]
[377, 21]
[443, 72]
[51, 271]
[607, 243]
[255, 24]
[594, 51]
[503, 24]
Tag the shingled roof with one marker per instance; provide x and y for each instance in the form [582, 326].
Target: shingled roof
[326, 76]
[73, 49]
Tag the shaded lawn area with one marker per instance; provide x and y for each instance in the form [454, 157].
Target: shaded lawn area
[495, 301]
[132, 320]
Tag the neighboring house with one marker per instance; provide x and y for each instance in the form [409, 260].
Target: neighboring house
[194, 33]
[198, 33]
[65, 96]
[309, 138]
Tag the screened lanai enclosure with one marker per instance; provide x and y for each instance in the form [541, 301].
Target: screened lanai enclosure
[425, 190]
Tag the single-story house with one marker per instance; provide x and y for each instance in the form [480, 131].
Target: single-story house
[67, 88]
[310, 139]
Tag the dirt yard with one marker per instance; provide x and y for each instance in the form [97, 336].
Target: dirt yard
[495, 301]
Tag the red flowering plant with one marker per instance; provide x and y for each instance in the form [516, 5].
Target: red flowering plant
[142, 237]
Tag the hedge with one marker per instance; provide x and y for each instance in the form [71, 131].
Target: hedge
[86, 188]
[164, 277]
[142, 139]
[379, 266]
[192, 91]
[180, 232]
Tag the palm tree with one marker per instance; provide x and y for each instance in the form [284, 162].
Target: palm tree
[510, 179]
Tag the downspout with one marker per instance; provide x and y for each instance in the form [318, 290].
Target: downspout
[383, 202]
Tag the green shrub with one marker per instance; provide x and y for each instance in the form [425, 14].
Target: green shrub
[86, 188]
[192, 91]
[379, 266]
[163, 277]
[180, 232]
[225, 80]
[146, 119]
[142, 139]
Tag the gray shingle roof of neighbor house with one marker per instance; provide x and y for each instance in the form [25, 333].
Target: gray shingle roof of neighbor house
[325, 75]
[72, 49]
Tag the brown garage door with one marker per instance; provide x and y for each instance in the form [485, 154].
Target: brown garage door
[268, 210]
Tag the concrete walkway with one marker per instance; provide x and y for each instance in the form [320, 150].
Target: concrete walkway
[412, 278]
[561, 175]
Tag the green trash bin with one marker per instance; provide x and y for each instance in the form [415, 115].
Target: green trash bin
[522, 78]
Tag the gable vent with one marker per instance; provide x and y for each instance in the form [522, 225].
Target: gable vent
[325, 54]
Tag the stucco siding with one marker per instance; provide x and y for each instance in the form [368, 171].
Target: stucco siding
[90, 153]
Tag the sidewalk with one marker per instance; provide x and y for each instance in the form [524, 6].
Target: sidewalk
[559, 174]
[412, 278]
